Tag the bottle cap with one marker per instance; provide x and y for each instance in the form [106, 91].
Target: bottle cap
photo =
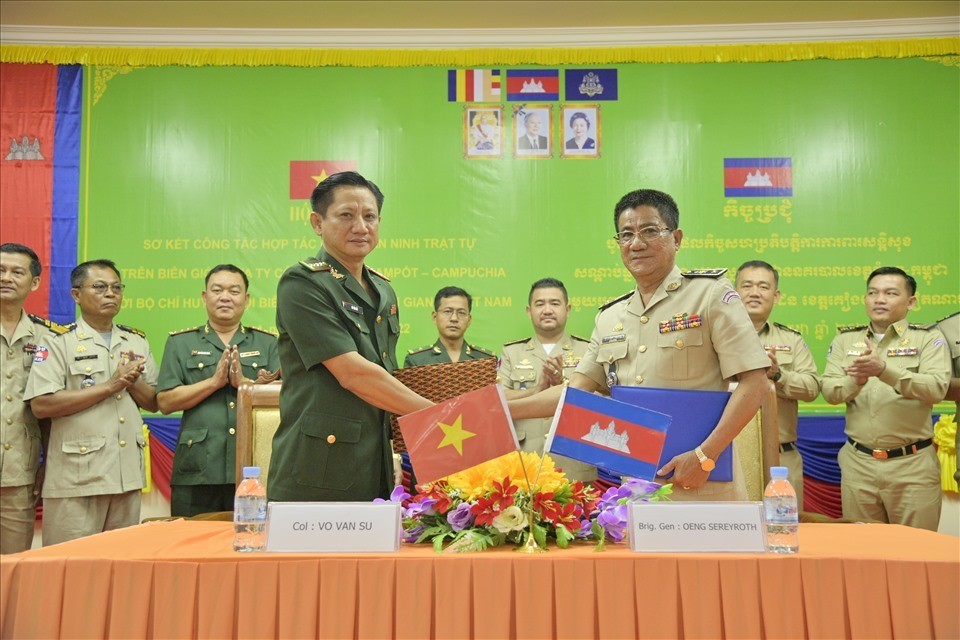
[251, 472]
[778, 472]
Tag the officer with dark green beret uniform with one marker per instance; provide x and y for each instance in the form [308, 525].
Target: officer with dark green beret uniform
[201, 370]
[339, 324]
[451, 313]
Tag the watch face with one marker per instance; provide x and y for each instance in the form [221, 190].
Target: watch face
[707, 464]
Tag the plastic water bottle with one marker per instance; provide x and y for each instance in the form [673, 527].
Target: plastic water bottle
[780, 507]
[250, 512]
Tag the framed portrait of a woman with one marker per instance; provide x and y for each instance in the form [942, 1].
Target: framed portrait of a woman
[580, 126]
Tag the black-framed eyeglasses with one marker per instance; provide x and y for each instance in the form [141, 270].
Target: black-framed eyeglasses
[645, 235]
[101, 288]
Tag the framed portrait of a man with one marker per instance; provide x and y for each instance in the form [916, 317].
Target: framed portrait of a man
[532, 124]
[482, 131]
[580, 125]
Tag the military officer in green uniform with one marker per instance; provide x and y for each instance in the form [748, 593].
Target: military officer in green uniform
[199, 375]
[339, 323]
[686, 330]
[93, 381]
[452, 307]
[21, 475]
[950, 328]
[792, 369]
[547, 358]
[890, 374]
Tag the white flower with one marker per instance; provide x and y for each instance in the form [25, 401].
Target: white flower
[510, 519]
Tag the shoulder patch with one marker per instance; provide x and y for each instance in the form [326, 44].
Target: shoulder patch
[378, 274]
[313, 264]
[786, 328]
[923, 327]
[520, 341]
[847, 328]
[259, 330]
[579, 338]
[420, 350]
[482, 350]
[182, 331]
[610, 303]
[59, 329]
[703, 273]
[955, 313]
[124, 327]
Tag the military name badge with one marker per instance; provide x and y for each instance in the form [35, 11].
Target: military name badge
[91, 356]
[351, 306]
[778, 347]
[86, 383]
[40, 354]
[247, 354]
[619, 337]
[906, 351]
[196, 352]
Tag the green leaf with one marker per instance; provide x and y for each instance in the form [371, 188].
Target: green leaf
[563, 536]
[540, 535]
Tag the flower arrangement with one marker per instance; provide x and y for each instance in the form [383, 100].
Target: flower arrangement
[490, 505]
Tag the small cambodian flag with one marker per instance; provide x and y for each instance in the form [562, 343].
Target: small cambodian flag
[613, 435]
[533, 85]
[757, 177]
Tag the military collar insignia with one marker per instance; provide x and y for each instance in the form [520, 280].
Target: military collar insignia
[703, 273]
[673, 286]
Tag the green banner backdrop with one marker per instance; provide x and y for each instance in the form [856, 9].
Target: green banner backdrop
[185, 168]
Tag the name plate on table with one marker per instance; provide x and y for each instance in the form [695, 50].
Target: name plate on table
[333, 527]
[697, 527]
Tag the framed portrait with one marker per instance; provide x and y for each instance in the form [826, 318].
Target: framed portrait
[532, 124]
[580, 129]
[482, 131]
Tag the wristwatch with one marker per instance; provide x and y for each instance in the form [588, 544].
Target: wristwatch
[776, 377]
[705, 463]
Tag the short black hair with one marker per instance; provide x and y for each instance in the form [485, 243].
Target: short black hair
[760, 264]
[450, 292]
[12, 247]
[662, 202]
[79, 273]
[322, 194]
[582, 116]
[895, 271]
[232, 268]
[547, 283]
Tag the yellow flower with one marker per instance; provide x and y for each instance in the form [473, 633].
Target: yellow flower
[478, 481]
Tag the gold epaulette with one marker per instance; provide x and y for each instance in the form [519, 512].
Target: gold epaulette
[315, 265]
[579, 338]
[124, 327]
[182, 331]
[610, 303]
[955, 313]
[259, 330]
[58, 329]
[703, 273]
[378, 274]
[482, 350]
[420, 350]
[520, 341]
[923, 327]
[786, 328]
[847, 328]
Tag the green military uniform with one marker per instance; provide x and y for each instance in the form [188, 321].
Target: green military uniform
[19, 432]
[437, 354]
[694, 333]
[891, 411]
[798, 381]
[331, 445]
[521, 366]
[950, 327]
[97, 451]
[204, 463]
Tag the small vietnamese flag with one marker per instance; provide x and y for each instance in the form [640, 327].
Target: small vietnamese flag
[458, 434]
[305, 175]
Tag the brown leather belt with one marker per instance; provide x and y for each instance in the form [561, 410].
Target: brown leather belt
[884, 454]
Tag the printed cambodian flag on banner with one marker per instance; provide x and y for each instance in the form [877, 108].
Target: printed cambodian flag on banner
[305, 175]
[533, 85]
[458, 434]
[473, 85]
[757, 177]
[613, 435]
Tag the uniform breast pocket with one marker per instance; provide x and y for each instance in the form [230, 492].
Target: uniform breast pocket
[94, 368]
[609, 355]
[191, 454]
[910, 363]
[393, 323]
[784, 358]
[524, 378]
[83, 460]
[680, 354]
[330, 455]
[201, 368]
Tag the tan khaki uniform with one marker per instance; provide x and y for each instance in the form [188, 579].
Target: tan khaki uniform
[891, 410]
[634, 344]
[97, 451]
[950, 327]
[798, 381]
[521, 366]
[19, 433]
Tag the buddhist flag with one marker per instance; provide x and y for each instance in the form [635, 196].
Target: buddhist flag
[458, 434]
[613, 435]
[305, 175]
[473, 85]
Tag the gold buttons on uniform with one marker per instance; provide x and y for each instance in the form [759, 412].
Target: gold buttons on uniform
[9, 374]
[9, 397]
[83, 449]
[232, 431]
[331, 438]
[6, 446]
[644, 319]
[379, 319]
[10, 351]
[119, 397]
[123, 443]
[190, 442]
[200, 366]
[89, 369]
[122, 419]
[643, 348]
[233, 405]
[111, 356]
[679, 343]
[9, 420]
[639, 379]
[384, 354]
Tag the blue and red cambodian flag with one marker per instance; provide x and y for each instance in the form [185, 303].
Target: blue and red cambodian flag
[757, 177]
[613, 435]
[533, 85]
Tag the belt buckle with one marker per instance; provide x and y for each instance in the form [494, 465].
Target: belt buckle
[879, 454]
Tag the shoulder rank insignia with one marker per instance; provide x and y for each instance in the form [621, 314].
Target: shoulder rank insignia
[420, 350]
[315, 265]
[923, 327]
[610, 303]
[786, 328]
[520, 341]
[124, 327]
[191, 329]
[579, 338]
[850, 327]
[259, 330]
[480, 349]
[703, 273]
[955, 313]
[59, 329]
[378, 274]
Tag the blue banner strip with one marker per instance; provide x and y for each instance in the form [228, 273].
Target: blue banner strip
[758, 192]
[66, 190]
[757, 162]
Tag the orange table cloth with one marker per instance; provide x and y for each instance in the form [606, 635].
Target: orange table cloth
[181, 579]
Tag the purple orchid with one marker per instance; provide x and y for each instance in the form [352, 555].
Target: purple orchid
[460, 518]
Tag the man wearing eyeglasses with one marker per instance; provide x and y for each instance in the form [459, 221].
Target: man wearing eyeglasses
[676, 329]
[93, 381]
[451, 314]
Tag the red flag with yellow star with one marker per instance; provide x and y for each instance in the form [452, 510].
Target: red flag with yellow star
[305, 175]
[458, 434]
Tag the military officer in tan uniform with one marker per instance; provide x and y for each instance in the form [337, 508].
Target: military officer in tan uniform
[950, 328]
[452, 307]
[792, 369]
[21, 475]
[549, 357]
[890, 374]
[92, 381]
[685, 330]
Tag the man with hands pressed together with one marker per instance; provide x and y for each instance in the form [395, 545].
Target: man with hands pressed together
[890, 374]
[686, 330]
[92, 381]
[201, 370]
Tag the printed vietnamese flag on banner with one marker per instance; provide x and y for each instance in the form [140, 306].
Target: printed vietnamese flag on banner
[612, 435]
[458, 434]
[305, 175]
